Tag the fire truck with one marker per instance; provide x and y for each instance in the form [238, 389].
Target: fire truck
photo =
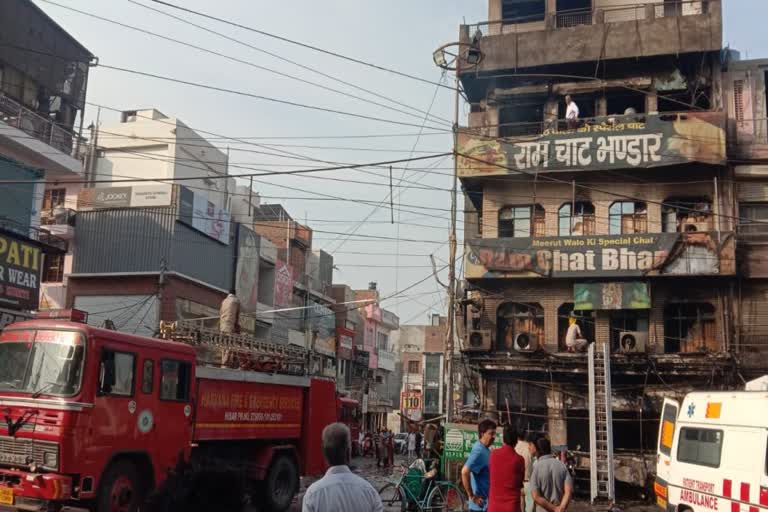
[94, 419]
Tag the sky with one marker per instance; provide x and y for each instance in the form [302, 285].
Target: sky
[349, 210]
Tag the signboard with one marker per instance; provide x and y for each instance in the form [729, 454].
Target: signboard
[411, 404]
[125, 197]
[365, 404]
[322, 322]
[638, 255]
[387, 360]
[459, 439]
[8, 317]
[620, 295]
[247, 271]
[254, 412]
[344, 342]
[198, 212]
[283, 284]
[361, 358]
[618, 142]
[20, 266]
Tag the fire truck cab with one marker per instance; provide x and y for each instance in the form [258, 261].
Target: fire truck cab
[713, 452]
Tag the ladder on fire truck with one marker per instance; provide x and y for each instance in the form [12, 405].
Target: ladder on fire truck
[241, 351]
[602, 485]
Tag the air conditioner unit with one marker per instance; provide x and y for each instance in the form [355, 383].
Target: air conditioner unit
[525, 342]
[478, 341]
[693, 223]
[632, 342]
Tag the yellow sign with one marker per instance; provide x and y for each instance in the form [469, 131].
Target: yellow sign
[667, 433]
[6, 496]
[713, 410]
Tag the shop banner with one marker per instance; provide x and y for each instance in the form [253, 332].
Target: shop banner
[20, 266]
[410, 403]
[639, 255]
[247, 272]
[613, 142]
[620, 295]
[283, 284]
[322, 322]
[198, 212]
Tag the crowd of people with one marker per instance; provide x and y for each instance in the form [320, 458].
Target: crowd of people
[521, 475]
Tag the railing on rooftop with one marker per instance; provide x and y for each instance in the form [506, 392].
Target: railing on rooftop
[32, 123]
[593, 16]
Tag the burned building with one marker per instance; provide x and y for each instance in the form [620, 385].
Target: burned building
[624, 218]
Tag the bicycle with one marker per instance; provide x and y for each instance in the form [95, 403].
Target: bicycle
[410, 493]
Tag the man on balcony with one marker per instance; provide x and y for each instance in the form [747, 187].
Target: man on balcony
[571, 113]
[574, 340]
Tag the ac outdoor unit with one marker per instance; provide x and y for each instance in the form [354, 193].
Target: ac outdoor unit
[695, 226]
[478, 341]
[632, 342]
[525, 342]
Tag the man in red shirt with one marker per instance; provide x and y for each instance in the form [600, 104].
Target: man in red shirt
[507, 470]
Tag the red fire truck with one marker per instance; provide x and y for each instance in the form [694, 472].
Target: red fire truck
[95, 419]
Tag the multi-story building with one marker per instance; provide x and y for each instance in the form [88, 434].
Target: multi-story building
[43, 82]
[623, 219]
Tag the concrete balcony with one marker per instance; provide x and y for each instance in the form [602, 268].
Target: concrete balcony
[599, 143]
[603, 32]
[59, 222]
[38, 141]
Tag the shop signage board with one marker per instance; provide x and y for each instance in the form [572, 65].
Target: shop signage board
[611, 295]
[20, 266]
[459, 438]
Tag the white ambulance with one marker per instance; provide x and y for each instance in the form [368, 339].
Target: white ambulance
[713, 452]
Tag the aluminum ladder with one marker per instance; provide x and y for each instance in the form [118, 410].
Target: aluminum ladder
[602, 484]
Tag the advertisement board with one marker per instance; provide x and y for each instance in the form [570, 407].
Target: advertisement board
[253, 412]
[125, 197]
[459, 439]
[637, 255]
[411, 405]
[198, 212]
[283, 284]
[322, 322]
[20, 266]
[618, 295]
[247, 271]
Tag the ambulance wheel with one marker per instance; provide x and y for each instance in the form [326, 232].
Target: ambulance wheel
[281, 484]
[120, 489]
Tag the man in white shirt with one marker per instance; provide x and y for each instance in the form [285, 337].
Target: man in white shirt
[574, 340]
[411, 445]
[571, 112]
[340, 490]
[523, 449]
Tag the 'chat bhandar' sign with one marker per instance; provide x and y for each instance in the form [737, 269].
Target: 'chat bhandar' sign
[20, 264]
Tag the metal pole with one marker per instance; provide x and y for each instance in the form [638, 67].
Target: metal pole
[452, 260]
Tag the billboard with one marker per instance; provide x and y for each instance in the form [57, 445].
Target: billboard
[20, 267]
[125, 197]
[410, 403]
[247, 271]
[198, 212]
[638, 255]
[619, 295]
[615, 142]
[283, 284]
[322, 322]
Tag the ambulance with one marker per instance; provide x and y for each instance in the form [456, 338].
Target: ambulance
[713, 452]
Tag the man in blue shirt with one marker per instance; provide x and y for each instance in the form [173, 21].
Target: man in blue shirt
[475, 474]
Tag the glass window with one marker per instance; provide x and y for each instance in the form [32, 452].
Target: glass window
[581, 223]
[626, 217]
[432, 368]
[519, 318]
[686, 214]
[53, 268]
[668, 419]
[174, 380]
[522, 11]
[431, 401]
[521, 221]
[700, 446]
[753, 218]
[116, 375]
[148, 376]
[54, 198]
[414, 366]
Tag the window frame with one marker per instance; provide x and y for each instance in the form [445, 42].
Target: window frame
[418, 366]
[679, 319]
[48, 197]
[535, 218]
[587, 219]
[622, 214]
[47, 268]
[189, 379]
[683, 429]
[99, 390]
[757, 225]
[152, 377]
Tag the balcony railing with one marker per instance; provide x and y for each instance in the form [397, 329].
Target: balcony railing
[594, 16]
[58, 217]
[39, 127]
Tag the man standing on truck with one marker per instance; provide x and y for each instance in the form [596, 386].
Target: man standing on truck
[475, 475]
[340, 490]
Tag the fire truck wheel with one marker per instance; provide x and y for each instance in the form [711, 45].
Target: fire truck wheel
[281, 483]
[120, 489]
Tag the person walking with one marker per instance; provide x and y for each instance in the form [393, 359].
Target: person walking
[507, 468]
[377, 446]
[411, 445]
[524, 451]
[340, 490]
[391, 448]
[551, 483]
[475, 475]
[419, 438]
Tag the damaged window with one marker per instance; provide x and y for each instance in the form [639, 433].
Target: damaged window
[521, 221]
[690, 327]
[586, 320]
[687, 214]
[753, 218]
[521, 118]
[582, 222]
[520, 327]
[522, 11]
[626, 217]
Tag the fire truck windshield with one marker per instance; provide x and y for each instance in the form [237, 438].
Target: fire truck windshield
[41, 362]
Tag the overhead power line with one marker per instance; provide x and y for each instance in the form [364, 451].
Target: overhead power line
[303, 45]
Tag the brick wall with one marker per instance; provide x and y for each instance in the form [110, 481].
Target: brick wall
[434, 338]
